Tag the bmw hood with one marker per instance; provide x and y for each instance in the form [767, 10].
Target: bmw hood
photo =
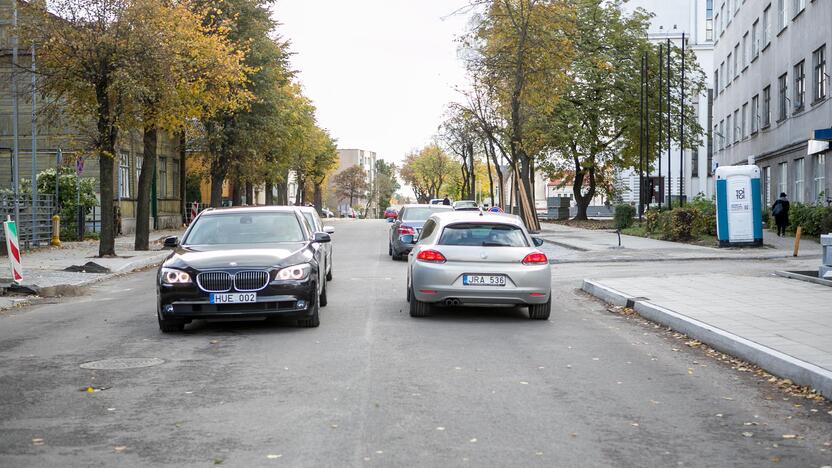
[221, 257]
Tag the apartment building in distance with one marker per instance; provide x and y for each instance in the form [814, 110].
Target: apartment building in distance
[348, 157]
[672, 18]
[772, 102]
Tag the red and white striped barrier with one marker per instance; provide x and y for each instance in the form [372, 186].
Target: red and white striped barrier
[13, 248]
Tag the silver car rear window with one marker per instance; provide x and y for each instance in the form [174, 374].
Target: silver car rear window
[483, 235]
[421, 213]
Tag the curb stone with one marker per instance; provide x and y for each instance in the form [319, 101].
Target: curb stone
[776, 362]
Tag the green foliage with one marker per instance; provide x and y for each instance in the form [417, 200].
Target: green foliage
[814, 219]
[624, 215]
[682, 224]
[653, 221]
[192, 188]
[68, 196]
[706, 222]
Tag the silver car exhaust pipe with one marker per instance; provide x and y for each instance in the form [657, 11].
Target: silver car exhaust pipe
[452, 302]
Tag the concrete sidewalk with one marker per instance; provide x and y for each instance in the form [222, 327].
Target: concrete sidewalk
[45, 268]
[591, 246]
[782, 325]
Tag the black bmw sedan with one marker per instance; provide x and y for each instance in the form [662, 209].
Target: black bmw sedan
[241, 263]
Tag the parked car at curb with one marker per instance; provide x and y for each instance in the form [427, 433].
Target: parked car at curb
[391, 212]
[243, 262]
[405, 230]
[466, 205]
[466, 258]
[317, 225]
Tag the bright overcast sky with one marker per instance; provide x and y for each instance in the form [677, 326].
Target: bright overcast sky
[379, 71]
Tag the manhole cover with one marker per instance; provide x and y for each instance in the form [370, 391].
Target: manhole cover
[122, 363]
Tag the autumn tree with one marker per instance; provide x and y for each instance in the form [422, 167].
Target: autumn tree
[386, 183]
[189, 70]
[427, 171]
[351, 183]
[594, 130]
[520, 52]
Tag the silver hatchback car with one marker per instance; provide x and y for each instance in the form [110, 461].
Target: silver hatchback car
[471, 258]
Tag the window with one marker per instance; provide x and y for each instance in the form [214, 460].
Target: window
[767, 26]
[737, 65]
[820, 176]
[744, 121]
[124, 175]
[798, 6]
[766, 106]
[717, 27]
[798, 180]
[755, 113]
[729, 11]
[767, 184]
[724, 19]
[723, 76]
[746, 54]
[709, 21]
[729, 76]
[162, 181]
[755, 39]
[784, 96]
[175, 176]
[782, 20]
[721, 134]
[138, 160]
[783, 183]
[728, 131]
[716, 138]
[819, 75]
[483, 235]
[716, 79]
[737, 126]
[799, 87]
[245, 228]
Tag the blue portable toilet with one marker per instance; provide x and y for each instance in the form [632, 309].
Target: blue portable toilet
[739, 219]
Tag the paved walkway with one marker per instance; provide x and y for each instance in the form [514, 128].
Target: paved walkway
[585, 245]
[780, 324]
[45, 267]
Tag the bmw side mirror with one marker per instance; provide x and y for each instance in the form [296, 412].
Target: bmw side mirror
[537, 241]
[321, 237]
[171, 242]
[329, 229]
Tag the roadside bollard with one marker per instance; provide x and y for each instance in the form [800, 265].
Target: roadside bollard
[56, 231]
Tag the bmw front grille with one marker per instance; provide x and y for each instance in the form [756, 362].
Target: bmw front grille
[253, 280]
[214, 281]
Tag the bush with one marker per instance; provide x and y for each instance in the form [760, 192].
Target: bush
[624, 215]
[68, 195]
[682, 224]
[653, 221]
[815, 220]
[706, 221]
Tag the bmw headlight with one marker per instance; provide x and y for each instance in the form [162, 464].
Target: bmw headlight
[295, 272]
[174, 276]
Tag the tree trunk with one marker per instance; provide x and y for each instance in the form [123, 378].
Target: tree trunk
[472, 174]
[217, 179]
[250, 194]
[318, 197]
[236, 193]
[183, 176]
[269, 194]
[143, 195]
[299, 192]
[107, 135]
[490, 177]
[582, 200]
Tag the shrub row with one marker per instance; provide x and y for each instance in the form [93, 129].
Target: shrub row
[683, 224]
[814, 219]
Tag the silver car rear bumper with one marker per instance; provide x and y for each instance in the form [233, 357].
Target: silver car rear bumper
[526, 284]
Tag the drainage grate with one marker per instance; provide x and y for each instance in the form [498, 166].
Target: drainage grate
[122, 363]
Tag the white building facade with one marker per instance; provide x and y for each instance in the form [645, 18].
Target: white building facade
[672, 18]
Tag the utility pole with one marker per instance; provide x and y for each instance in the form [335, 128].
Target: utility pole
[647, 152]
[15, 147]
[641, 142]
[682, 129]
[661, 180]
[669, 155]
[34, 150]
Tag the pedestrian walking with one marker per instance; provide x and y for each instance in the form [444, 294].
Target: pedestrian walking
[780, 211]
[446, 200]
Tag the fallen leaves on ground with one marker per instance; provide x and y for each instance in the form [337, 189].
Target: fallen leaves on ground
[120, 448]
[748, 434]
[37, 441]
[273, 456]
[789, 436]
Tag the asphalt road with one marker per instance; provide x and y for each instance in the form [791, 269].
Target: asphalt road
[374, 387]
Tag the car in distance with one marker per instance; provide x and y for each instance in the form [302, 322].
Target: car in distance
[242, 263]
[391, 212]
[405, 230]
[326, 213]
[466, 205]
[317, 225]
[466, 258]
